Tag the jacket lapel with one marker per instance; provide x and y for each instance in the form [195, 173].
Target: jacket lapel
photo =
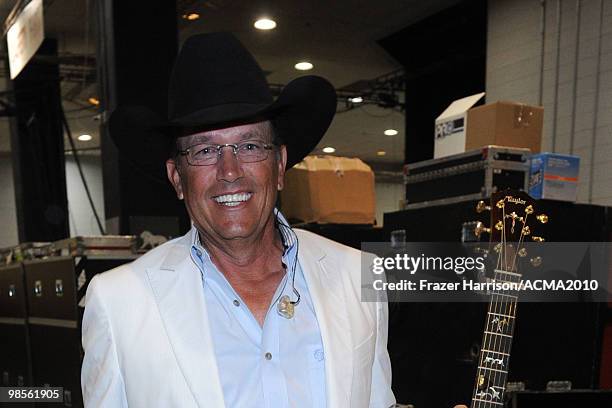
[177, 287]
[322, 274]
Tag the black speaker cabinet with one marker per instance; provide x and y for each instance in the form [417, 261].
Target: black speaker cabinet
[55, 288]
[565, 399]
[15, 368]
[434, 346]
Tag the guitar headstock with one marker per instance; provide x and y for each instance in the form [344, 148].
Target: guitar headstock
[514, 222]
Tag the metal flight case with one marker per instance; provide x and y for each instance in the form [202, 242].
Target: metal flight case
[15, 368]
[466, 176]
[56, 288]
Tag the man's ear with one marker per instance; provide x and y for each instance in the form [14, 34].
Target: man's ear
[282, 162]
[172, 170]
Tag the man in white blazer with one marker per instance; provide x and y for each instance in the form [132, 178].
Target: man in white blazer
[242, 311]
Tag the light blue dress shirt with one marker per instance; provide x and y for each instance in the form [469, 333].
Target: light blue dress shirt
[281, 364]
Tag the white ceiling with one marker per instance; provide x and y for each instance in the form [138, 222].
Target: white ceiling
[338, 37]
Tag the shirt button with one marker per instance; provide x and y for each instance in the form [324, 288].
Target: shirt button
[236, 302]
[268, 356]
[318, 355]
[199, 252]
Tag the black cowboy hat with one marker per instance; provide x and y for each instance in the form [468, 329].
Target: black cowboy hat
[216, 83]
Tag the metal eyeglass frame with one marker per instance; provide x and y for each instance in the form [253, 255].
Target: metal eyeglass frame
[219, 148]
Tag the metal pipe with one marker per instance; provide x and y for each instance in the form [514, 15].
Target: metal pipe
[596, 107]
[575, 81]
[542, 50]
[556, 89]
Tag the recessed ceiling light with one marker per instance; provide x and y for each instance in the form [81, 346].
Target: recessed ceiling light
[303, 66]
[191, 16]
[328, 149]
[390, 132]
[94, 101]
[84, 138]
[357, 99]
[265, 24]
[381, 153]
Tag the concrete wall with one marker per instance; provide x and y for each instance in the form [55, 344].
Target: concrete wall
[388, 196]
[8, 215]
[558, 53]
[82, 220]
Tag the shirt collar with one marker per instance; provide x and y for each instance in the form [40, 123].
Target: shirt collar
[287, 234]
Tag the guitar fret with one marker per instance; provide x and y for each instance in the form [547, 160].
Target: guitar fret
[501, 315]
[504, 294]
[488, 402]
[508, 273]
[493, 351]
[498, 334]
[493, 369]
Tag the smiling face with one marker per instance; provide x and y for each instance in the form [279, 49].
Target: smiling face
[230, 200]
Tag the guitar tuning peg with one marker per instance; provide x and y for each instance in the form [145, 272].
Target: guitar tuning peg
[529, 209]
[480, 228]
[482, 206]
[543, 218]
[536, 261]
[537, 239]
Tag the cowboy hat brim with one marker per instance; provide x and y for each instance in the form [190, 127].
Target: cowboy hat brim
[301, 115]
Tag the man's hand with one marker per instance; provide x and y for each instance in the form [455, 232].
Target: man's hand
[460, 406]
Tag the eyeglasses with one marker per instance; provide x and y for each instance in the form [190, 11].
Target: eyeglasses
[249, 151]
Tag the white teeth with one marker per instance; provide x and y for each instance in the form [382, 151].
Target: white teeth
[232, 200]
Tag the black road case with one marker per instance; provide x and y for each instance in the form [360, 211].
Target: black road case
[15, 369]
[56, 287]
[466, 176]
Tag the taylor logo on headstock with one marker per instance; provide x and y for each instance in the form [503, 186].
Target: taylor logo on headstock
[511, 199]
[512, 223]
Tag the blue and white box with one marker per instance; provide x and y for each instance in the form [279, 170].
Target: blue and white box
[554, 176]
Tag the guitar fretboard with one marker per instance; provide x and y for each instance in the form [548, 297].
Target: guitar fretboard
[494, 354]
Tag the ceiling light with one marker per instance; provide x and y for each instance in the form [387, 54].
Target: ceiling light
[84, 138]
[93, 100]
[328, 149]
[390, 132]
[381, 153]
[191, 16]
[303, 66]
[265, 24]
[357, 99]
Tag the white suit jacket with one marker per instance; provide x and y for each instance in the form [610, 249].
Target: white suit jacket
[147, 341]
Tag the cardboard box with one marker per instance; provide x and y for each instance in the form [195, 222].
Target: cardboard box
[449, 134]
[554, 176]
[329, 189]
[505, 124]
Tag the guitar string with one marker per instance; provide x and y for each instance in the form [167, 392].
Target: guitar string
[492, 307]
[520, 242]
[514, 303]
[498, 305]
[508, 307]
[489, 342]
